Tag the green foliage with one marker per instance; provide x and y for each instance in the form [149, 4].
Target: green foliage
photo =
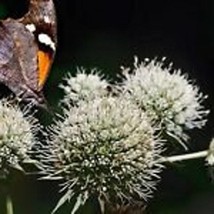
[3, 11]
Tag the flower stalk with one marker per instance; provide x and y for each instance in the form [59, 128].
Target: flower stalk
[208, 154]
[9, 204]
[190, 156]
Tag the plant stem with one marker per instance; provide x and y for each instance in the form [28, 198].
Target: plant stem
[184, 157]
[9, 204]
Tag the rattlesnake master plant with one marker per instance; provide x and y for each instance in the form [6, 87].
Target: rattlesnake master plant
[83, 86]
[105, 145]
[167, 96]
[17, 136]
[104, 148]
[210, 155]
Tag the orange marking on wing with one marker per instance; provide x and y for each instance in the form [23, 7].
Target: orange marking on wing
[44, 63]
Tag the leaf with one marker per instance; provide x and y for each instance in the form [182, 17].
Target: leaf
[67, 196]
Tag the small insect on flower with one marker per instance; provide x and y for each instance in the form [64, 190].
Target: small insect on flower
[103, 148]
[17, 136]
[167, 96]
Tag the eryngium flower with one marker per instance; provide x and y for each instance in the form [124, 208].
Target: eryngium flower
[103, 148]
[83, 87]
[17, 131]
[210, 154]
[167, 96]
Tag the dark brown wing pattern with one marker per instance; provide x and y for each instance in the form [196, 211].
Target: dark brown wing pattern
[17, 58]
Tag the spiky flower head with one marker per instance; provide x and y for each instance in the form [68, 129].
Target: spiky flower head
[83, 86]
[167, 96]
[210, 154]
[103, 148]
[17, 129]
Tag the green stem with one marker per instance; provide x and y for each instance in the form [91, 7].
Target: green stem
[195, 155]
[9, 204]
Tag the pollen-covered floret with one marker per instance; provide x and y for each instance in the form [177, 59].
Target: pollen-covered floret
[167, 96]
[17, 131]
[105, 148]
[84, 87]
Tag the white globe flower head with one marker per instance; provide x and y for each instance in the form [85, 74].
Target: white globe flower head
[104, 148]
[83, 87]
[210, 154]
[167, 96]
[17, 129]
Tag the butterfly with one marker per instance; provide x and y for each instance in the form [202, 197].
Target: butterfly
[27, 50]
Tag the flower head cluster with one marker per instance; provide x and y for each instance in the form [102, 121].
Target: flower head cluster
[83, 87]
[16, 136]
[106, 148]
[167, 96]
[106, 144]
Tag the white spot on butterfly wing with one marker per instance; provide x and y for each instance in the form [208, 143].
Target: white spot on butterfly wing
[46, 40]
[31, 27]
[47, 19]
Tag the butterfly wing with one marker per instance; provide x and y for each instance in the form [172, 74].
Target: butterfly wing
[27, 50]
[6, 46]
[18, 60]
[7, 59]
[41, 18]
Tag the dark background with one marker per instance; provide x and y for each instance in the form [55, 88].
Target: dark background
[106, 35]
